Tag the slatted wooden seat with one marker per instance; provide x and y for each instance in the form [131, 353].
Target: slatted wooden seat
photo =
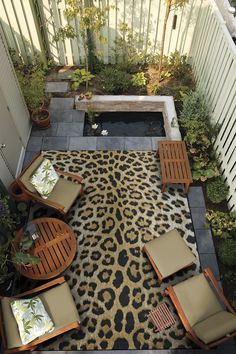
[174, 162]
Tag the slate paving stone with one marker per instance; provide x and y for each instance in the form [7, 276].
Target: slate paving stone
[58, 103]
[62, 116]
[34, 143]
[83, 143]
[70, 129]
[196, 197]
[110, 143]
[28, 157]
[204, 241]
[138, 143]
[55, 143]
[199, 218]
[155, 141]
[57, 86]
[51, 131]
[78, 116]
[210, 260]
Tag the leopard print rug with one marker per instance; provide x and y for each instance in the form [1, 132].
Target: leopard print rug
[113, 283]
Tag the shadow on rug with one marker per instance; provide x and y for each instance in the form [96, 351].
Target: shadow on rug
[113, 283]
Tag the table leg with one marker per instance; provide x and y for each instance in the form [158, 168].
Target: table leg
[186, 187]
[163, 187]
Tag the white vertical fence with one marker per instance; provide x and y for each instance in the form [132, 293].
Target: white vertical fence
[213, 58]
[29, 27]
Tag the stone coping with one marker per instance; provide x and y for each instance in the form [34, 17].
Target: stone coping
[110, 103]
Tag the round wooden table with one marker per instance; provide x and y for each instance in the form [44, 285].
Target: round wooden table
[56, 248]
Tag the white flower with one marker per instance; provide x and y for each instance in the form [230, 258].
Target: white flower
[94, 126]
[104, 132]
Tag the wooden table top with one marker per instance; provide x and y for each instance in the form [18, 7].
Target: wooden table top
[56, 248]
[174, 162]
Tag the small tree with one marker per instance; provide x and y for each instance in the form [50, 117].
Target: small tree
[91, 20]
[170, 5]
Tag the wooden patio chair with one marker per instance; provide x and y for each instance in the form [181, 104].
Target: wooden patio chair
[53, 295]
[67, 189]
[207, 320]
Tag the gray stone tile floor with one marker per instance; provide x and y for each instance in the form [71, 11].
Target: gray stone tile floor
[66, 133]
[57, 86]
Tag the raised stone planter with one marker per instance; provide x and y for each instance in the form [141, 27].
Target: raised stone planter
[164, 104]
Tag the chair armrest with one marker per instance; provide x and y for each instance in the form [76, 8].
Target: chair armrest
[76, 178]
[208, 273]
[42, 287]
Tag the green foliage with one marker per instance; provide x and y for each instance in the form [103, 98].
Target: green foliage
[33, 88]
[217, 191]
[223, 224]
[129, 48]
[195, 123]
[139, 80]
[115, 81]
[91, 20]
[227, 252]
[80, 76]
[179, 68]
[177, 91]
[8, 219]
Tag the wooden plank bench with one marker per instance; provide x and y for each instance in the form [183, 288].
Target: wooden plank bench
[174, 162]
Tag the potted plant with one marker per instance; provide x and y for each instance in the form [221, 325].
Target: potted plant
[8, 223]
[32, 84]
[21, 256]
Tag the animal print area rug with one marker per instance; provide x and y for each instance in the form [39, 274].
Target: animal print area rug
[113, 283]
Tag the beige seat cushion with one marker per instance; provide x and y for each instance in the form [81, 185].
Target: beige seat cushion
[25, 178]
[197, 299]
[65, 192]
[53, 301]
[216, 327]
[170, 253]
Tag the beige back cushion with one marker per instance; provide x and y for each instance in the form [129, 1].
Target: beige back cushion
[25, 178]
[197, 299]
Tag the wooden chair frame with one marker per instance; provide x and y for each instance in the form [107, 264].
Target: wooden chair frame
[158, 273]
[27, 195]
[33, 345]
[190, 334]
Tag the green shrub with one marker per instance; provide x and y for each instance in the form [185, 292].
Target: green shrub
[179, 68]
[227, 252]
[78, 77]
[217, 191]
[33, 87]
[115, 81]
[195, 123]
[222, 224]
[139, 80]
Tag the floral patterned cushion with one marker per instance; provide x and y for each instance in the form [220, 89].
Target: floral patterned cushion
[44, 179]
[32, 319]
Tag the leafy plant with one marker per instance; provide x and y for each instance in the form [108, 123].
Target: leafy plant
[8, 220]
[170, 5]
[115, 81]
[217, 191]
[179, 68]
[91, 20]
[222, 224]
[227, 252]
[139, 80]
[80, 76]
[129, 49]
[33, 87]
[195, 123]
